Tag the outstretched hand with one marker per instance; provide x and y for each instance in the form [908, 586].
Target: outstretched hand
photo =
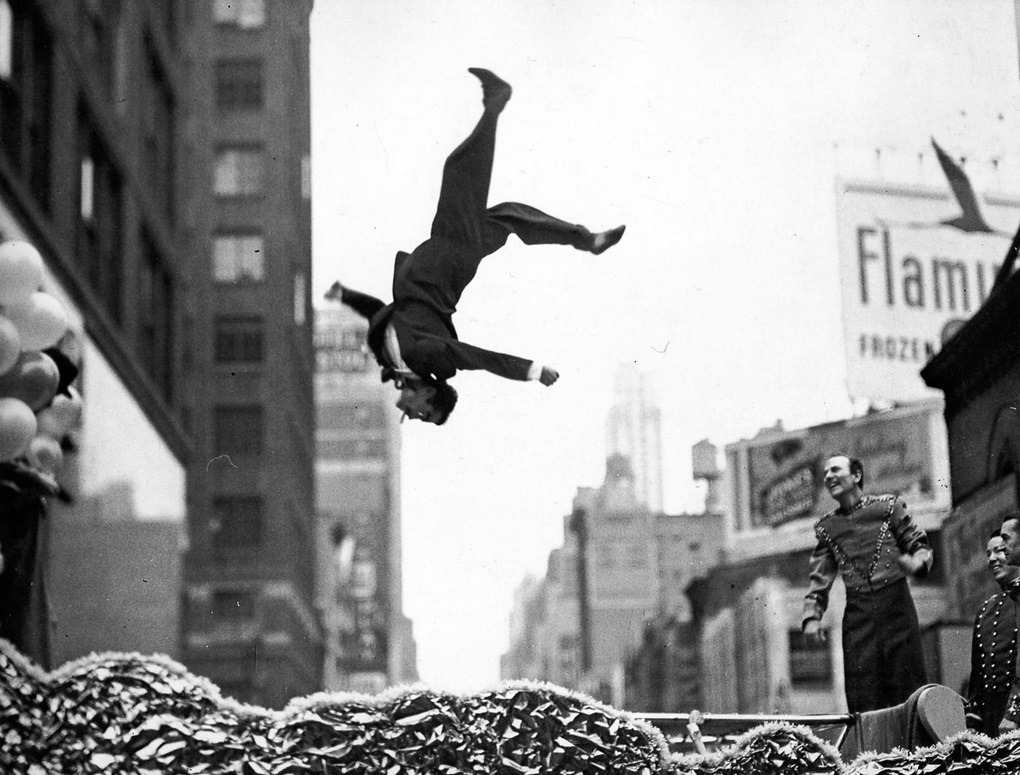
[335, 291]
[813, 631]
[911, 564]
[548, 376]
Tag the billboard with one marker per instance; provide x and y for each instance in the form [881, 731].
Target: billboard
[784, 473]
[907, 279]
[341, 348]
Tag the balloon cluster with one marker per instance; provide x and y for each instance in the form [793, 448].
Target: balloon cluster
[38, 408]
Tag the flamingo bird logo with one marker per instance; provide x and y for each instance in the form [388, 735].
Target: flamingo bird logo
[970, 218]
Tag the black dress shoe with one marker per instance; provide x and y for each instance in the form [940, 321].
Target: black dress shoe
[604, 240]
[495, 91]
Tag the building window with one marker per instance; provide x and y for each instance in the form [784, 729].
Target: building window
[239, 171]
[810, 662]
[361, 416]
[26, 65]
[237, 522]
[233, 605]
[156, 317]
[605, 556]
[87, 207]
[121, 67]
[165, 13]
[238, 258]
[300, 298]
[351, 449]
[306, 177]
[238, 84]
[99, 23]
[157, 134]
[239, 339]
[637, 555]
[100, 194]
[238, 430]
[6, 40]
[246, 14]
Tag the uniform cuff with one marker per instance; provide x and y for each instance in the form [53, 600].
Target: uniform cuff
[534, 370]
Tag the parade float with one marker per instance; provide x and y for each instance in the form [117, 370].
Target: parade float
[125, 713]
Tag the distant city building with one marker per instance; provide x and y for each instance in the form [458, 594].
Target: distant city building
[633, 430]
[637, 565]
[369, 642]
[251, 624]
[92, 105]
[663, 674]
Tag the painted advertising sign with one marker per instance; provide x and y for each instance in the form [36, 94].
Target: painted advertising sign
[341, 349]
[908, 278]
[784, 474]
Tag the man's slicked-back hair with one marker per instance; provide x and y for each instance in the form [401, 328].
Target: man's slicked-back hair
[444, 400]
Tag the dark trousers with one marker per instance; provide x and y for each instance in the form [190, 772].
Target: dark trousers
[462, 215]
[993, 711]
[24, 613]
[883, 662]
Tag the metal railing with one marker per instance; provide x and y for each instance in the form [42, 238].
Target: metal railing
[701, 732]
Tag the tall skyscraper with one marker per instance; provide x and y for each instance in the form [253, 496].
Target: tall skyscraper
[369, 644]
[92, 96]
[250, 620]
[633, 430]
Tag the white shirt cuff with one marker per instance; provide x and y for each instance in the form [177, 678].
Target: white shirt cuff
[535, 370]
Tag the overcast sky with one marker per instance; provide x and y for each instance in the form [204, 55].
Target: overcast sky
[715, 130]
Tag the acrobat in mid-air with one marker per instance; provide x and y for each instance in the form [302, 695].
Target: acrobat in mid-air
[413, 338]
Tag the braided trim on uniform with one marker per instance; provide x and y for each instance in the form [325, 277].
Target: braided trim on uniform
[883, 534]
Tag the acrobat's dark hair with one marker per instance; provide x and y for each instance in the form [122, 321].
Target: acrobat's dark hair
[1012, 516]
[445, 398]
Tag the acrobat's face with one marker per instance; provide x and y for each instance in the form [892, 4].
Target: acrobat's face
[996, 554]
[838, 479]
[416, 403]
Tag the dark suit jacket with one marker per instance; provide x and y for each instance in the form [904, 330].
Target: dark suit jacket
[426, 288]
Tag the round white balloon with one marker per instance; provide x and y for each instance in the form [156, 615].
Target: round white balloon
[17, 427]
[10, 345]
[40, 319]
[21, 271]
[45, 454]
[62, 416]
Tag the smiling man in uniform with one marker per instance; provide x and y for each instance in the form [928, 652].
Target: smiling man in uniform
[874, 544]
[993, 647]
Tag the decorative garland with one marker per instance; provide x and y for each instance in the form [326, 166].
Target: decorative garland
[125, 713]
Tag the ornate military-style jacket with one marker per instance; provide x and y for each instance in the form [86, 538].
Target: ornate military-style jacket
[993, 660]
[863, 546]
